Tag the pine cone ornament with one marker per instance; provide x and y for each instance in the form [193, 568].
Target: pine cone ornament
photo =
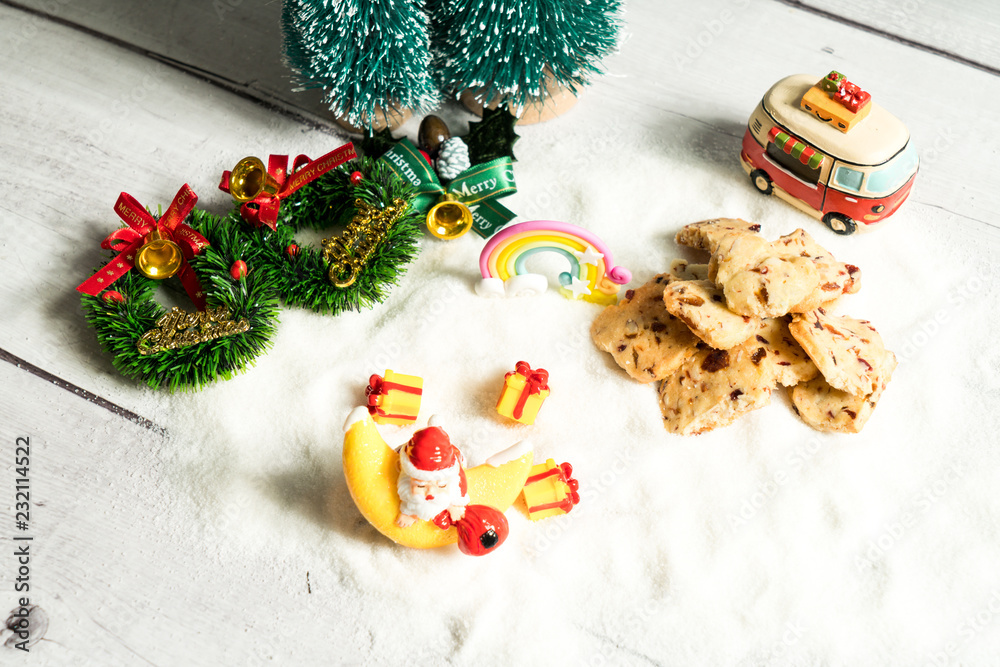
[453, 158]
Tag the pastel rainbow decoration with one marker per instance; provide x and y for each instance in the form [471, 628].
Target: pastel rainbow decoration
[503, 263]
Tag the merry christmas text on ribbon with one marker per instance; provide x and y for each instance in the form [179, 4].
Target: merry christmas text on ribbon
[477, 187]
[263, 210]
[140, 226]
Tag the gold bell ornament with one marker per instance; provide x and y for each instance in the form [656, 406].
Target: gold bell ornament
[449, 218]
[159, 258]
[249, 179]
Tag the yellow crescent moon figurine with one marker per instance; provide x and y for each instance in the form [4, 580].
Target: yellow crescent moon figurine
[371, 467]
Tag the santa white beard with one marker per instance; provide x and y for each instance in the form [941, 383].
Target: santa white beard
[423, 508]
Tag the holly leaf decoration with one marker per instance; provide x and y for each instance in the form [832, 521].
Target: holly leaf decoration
[493, 136]
[374, 145]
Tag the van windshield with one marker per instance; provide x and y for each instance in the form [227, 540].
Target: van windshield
[894, 174]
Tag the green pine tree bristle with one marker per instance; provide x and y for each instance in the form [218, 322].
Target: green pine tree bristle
[505, 47]
[119, 326]
[365, 54]
[328, 204]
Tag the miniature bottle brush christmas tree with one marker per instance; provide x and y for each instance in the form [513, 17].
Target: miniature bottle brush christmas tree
[533, 55]
[371, 57]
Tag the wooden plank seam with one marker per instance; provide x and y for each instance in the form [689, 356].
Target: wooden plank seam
[229, 85]
[81, 392]
[837, 18]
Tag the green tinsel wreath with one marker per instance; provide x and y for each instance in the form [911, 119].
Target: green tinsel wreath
[120, 324]
[299, 274]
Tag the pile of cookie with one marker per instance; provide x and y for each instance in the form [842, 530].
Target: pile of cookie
[718, 337]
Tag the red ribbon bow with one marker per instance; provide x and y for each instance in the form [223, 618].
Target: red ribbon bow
[141, 224]
[374, 390]
[566, 476]
[563, 473]
[535, 383]
[263, 210]
[851, 97]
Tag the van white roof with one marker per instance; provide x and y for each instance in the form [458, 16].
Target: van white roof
[874, 140]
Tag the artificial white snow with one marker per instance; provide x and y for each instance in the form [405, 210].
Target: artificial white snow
[762, 543]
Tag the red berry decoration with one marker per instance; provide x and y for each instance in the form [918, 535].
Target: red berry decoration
[112, 296]
[238, 270]
[426, 156]
[357, 177]
[292, 249]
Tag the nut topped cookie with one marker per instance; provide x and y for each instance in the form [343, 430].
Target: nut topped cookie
[771, 288]
[707, 234]
[848, 352]
[702, 306]
[789, 363]
[827, 409]
[714, 388]
[644, 339]
[685, 270]
[793, 274]
[720, 336]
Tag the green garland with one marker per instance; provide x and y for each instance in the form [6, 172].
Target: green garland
[120, 325]
[300, 278]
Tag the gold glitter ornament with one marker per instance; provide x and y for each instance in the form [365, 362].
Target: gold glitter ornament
[179, 328]
[348, 253]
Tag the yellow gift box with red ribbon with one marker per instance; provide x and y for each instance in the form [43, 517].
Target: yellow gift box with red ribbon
[550, 490]
[524, 391]
[394, 398]
[837, 102]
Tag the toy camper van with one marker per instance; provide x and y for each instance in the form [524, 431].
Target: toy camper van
[825, 147]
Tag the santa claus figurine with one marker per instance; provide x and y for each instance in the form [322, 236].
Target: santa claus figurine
[432, 487]
[431, 479]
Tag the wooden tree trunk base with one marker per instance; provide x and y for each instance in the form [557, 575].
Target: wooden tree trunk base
[392, 117]
[557, 101]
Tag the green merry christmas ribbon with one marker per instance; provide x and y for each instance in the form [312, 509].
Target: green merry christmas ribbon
[477, 187]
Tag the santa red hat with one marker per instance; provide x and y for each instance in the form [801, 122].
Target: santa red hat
[429, 455]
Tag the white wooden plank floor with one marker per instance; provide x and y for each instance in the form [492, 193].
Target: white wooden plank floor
[148, 547]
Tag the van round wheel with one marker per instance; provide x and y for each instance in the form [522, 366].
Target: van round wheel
[840, 223]
[761, 181]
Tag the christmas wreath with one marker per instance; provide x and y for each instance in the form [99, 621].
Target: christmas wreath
[351, 270]
[236, 309]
